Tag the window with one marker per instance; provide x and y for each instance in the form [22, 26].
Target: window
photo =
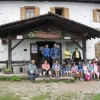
[29, 12]
[96, 15]
[60, 11]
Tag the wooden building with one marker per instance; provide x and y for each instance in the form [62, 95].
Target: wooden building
[46, 28]
[26, 26]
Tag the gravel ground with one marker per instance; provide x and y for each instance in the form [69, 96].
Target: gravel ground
[26, 89]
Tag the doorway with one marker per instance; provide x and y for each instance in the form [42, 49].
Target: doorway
[41, 45]
[36, 48]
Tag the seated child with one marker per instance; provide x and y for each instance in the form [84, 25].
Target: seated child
[74, 69]
[68, 70]
[96, 70]
[56, 68]
[46, 69]
[86, 72]
[91, 69]
[63, 72]
[80, 70]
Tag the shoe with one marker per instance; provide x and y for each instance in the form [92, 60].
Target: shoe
[50, 77]
[94, 77]
[97, 79]
[57, 77]
[33, 80]
[43, 78]
[91, 79]
[82, 79]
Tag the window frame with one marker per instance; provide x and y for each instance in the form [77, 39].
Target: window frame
[60, 8]
[96, 17]
[29, 7]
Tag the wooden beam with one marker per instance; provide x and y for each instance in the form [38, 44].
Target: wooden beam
[84, 49]
[9, 52]
[77, 44]
[85, 34]
[16, 45]
[21, 61]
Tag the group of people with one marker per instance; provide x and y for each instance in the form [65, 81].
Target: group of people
[48, 53]
[73, 66]
[54, 53]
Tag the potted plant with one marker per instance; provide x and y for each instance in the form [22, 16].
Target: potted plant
[7, 71]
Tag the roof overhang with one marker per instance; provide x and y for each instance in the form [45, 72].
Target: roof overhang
[15, 28]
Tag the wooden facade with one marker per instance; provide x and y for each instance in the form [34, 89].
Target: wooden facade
[47, 23]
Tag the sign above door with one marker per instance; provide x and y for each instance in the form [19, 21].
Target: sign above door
[45, 35]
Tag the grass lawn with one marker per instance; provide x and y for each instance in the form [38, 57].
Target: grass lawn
[68, 96]
[51, 96]
[9, 97]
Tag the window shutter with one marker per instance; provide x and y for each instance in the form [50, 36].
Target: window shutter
[22, 13]
[52, 9]
[37, 11]
[94, 15]
[66, 13]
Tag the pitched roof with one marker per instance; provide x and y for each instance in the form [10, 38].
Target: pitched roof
[86, 1]
[50, 19]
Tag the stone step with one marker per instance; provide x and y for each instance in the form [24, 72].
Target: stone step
[27, 76]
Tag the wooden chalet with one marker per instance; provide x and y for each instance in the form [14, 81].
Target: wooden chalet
[52, 27]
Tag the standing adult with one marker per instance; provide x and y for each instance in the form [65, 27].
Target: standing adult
[76, 56]
[55, 53]
[46, 52]
[67, 55]
[32, 71]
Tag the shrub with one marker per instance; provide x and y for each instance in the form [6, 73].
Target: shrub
[15, 78]
[4, 78]
[7, 70]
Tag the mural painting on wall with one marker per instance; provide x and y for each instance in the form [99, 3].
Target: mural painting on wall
[45, 35]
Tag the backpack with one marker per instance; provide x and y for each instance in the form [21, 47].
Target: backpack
[87, 77]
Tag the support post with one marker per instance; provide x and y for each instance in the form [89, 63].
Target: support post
[16, 45]
[77, 44]
[84, 49]
[9, 52]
